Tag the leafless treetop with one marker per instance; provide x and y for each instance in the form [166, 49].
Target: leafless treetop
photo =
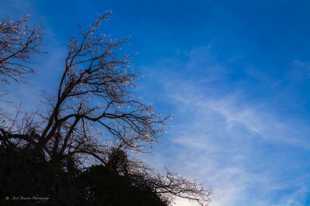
[17, 43]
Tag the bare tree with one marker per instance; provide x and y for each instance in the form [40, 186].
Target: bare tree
[93, 94]
[17, 43]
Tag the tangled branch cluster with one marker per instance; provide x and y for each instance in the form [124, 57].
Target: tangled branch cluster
[17, 43]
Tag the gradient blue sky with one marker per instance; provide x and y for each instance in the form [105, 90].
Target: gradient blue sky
[235, 76]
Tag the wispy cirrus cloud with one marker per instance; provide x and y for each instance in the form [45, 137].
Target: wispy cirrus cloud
[244, 151]
[224, 146]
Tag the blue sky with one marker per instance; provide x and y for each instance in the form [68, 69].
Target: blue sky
[235, 76]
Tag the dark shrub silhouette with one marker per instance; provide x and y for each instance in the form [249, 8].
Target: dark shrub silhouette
[26, 174]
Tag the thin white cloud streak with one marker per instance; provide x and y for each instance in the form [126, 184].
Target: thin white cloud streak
[252, 118]
[222, 166]
[221, 139]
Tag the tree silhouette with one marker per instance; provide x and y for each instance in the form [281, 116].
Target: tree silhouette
[77, 152]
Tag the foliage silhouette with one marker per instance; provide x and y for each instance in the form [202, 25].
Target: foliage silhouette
[25, 174]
